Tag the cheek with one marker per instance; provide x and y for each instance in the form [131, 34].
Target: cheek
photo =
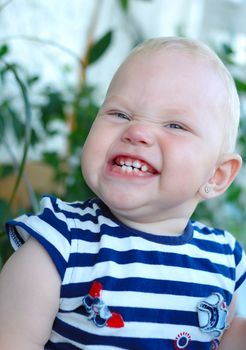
[189, 162]
[94, 153]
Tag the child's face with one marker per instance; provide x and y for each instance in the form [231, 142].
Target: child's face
[157, 137]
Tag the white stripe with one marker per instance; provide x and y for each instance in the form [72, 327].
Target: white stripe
[126, 244]
[89, 225]
[76, 223]
[142, 330]
[87, 210]
[48, 232]
[144, 300]
[226, 238]
[157, 272]
[69, 208]
[150, 300]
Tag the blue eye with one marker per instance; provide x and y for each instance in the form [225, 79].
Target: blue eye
[122, 116]
[175, 126]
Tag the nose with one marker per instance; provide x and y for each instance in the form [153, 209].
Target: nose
[138, 134]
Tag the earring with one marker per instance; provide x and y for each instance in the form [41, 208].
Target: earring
[207, 189]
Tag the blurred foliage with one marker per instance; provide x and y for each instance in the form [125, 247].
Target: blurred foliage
[228, 211]
[70, 111]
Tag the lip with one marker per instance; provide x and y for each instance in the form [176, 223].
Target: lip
[130, 165]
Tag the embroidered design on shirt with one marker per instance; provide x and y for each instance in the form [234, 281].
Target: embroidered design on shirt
[182, 340]
[98, 312]
[215, 344]
[212, 315]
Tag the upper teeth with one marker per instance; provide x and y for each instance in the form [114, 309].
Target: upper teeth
[129, 165]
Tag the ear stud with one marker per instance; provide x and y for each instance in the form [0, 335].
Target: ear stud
[207, 189]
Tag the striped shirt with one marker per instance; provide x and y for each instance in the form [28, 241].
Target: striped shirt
[127, 289]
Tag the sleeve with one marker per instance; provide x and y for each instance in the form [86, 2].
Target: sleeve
[49, 227]
[240, 265]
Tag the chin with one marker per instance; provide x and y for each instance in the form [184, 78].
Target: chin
[119, 202]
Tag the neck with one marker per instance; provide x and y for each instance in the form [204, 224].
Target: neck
[169, 227]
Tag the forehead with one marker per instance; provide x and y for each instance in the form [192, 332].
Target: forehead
[160, 64]
[169, 77]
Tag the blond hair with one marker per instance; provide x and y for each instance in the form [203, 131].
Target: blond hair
[231, 102]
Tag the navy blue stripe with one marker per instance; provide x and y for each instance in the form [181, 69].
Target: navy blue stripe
[123, 231]
[150, 257]
[83, 205]
[147, 314]
[147, 285]
[14, 234]
[18, 236]
[85, 235]
[60, 346]
[207, 230]
[118, 232]
[240, 281]
[77, 205]
[118, 341]
[213, 247]
[49, 217]
[157, 316]
[238, 251]
[168, 345]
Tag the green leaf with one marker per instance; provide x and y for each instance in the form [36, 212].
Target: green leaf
[98, 49]
[4, 49]
[28, 117]
[32, 80]
[124, 5]
[227, 49]
[241, 85]
[5, 170]
[51, 158]
[53, 109]
[233, 193]
[17, 125]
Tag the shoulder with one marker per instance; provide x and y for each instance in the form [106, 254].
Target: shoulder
[224, 247]
[68, 209]
[53, 227]
[214, 235]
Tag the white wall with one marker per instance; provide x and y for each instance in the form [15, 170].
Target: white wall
[67, 22]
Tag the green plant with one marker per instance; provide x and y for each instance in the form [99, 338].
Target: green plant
[73, 107]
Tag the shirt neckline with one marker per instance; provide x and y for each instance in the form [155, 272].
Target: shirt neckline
[183, 238]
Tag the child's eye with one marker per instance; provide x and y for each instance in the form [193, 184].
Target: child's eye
[122, 116]
[175, 126]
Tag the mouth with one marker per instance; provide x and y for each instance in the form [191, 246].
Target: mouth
[132, 166]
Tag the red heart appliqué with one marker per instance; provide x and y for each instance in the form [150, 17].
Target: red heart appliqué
[115, 321]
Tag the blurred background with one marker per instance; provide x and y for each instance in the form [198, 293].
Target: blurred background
[56, 61]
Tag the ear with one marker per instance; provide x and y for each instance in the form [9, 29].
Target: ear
[223, 176]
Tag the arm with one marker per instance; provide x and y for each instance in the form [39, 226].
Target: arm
[29, 298]
[235, 336]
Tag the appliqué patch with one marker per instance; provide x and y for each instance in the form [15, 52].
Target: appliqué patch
[212, 315]
[215, 344]
[182, 340]
[98, 312]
